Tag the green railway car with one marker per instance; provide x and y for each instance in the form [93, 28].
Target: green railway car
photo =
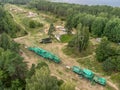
[77, 70]
[45, 54]
[88, 74]
[100, 80]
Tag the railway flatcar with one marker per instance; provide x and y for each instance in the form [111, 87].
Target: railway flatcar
[45, 54]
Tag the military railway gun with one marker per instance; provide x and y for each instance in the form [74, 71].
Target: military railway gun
[45, 54]
[88, 74]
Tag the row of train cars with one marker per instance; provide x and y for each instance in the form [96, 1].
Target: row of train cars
[88, 74]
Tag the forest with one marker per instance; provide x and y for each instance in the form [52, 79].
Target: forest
[88, 21]
[8, 25]
[15, 1]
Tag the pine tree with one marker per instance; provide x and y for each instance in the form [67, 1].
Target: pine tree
[104, 50]
[42, 80]
[81, 39]
[51, 30]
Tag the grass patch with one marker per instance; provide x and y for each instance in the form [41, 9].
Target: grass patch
[75, 53]
[116, 78]
[59, 72]
[66, 38]
[91, 63]
[31, 23]
[108, 88]
[86, 58]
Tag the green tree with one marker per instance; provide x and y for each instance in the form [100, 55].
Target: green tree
[15, 1]
[7, 43]
[69, 24]
[51, 30]
[108, 66]
[42, 80]
[32, 24]
[112, 30]
[104, 50]
[33, 67]
[64, 10]
[88, 21]
[98, 26]
[81, 39]
[13, 69]
[112, 64]
[7, 24]
[109, 55]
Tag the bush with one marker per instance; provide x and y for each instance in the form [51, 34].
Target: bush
[7, 43]
[109, 56]
[66, 38]
[112, 30]
[108, 66]
[7, 24]
[112, 64]
[39, 24]
[42, 80]
[116, 78]
[13, 70]
[32, 69]
[32, 24]
[104, 50]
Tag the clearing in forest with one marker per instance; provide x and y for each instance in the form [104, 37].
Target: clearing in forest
[33, 38]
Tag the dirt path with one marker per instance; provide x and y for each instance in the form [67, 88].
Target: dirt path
[56, 70]
[112, 85]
